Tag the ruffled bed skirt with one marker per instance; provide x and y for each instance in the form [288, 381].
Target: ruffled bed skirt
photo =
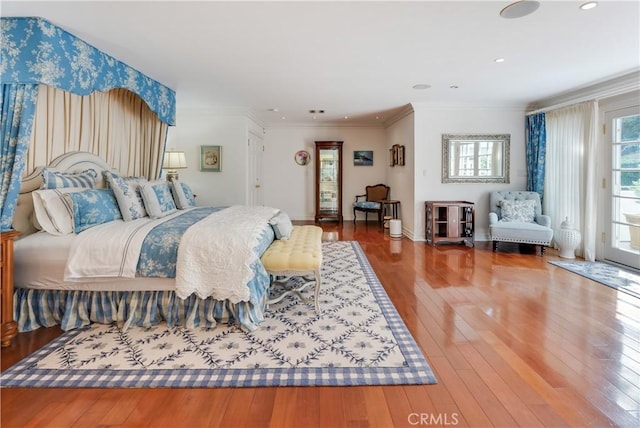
[74, 309]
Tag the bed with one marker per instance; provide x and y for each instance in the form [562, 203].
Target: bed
[193, 266]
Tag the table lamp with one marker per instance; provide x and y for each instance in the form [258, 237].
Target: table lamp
[173, 160]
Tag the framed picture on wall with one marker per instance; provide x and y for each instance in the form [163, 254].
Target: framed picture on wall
[302, 157]
[211, 158]
[363, 157]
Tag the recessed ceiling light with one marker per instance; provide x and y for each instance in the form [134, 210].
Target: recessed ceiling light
[283, 118]
[421, 86]
[498, 60]
[589, 5]
[519, 9]
[346, 117]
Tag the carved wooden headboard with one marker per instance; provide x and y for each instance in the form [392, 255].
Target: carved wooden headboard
[23, 219]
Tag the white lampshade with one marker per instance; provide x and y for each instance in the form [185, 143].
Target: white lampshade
[174, 159]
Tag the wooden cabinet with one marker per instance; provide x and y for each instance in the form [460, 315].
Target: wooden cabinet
[449, 221]
[9, 328]
[328, 161]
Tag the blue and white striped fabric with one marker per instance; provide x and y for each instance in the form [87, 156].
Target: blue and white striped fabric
[52, 179]
[79, 308]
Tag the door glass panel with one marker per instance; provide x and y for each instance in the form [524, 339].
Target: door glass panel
[625, 188]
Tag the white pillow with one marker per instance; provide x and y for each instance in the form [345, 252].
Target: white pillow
[53, 211]
[282, 226]
[127, 194]
[182, 195]
[157, 199]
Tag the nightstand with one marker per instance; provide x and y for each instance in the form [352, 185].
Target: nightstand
[9, 328]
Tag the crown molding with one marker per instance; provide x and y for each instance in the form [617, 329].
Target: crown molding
[423, 106]
[607, 88]
[405, 111]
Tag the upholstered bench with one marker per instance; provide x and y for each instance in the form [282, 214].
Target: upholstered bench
[300, 256]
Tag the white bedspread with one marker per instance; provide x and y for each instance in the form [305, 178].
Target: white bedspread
[215, 254]
[118, 253]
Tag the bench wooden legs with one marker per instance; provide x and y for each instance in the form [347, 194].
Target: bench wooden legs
[298, 290]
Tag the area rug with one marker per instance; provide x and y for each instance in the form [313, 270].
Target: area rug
[605, 273]
[357, 339]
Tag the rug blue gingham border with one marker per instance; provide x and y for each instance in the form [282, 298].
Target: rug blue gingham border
[416, 370]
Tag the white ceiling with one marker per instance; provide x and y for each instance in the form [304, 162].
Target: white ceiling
[357, 59]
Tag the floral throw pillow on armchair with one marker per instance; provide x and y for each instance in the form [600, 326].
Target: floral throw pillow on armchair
[520, 211]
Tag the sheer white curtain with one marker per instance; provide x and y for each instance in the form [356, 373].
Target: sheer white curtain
[116, 125]
[571, 171]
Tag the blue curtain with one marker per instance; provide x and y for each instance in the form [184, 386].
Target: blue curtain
[536, 142]
[18, 106]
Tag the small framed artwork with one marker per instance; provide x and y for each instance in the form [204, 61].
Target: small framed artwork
[362, 157]
[396, 155]
[302, 157]
[211, 158]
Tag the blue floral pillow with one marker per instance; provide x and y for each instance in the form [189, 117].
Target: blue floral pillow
[52, 179]
[157, 199]
[93, 207]
[182, 195]
[127, 193]
[521, 211]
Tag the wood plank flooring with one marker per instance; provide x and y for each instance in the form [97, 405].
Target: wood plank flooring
[513, 341]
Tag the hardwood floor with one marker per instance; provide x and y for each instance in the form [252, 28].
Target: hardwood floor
[513, 341]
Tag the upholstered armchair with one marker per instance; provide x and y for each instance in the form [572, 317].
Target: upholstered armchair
[517, 217]
[370, 201]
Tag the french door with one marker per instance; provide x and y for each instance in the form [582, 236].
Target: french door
[622, 216]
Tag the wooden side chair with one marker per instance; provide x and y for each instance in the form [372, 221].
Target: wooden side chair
[371, 202]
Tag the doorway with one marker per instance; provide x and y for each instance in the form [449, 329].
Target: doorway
[622, 209]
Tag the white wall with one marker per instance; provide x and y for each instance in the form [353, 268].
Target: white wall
[291, 187]
[400, 178]
[433, 121]
[213, 127]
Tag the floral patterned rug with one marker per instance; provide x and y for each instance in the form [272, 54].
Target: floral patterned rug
[610, 275]
[357, 339]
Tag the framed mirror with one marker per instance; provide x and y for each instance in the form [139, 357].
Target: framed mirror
[475, 158]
